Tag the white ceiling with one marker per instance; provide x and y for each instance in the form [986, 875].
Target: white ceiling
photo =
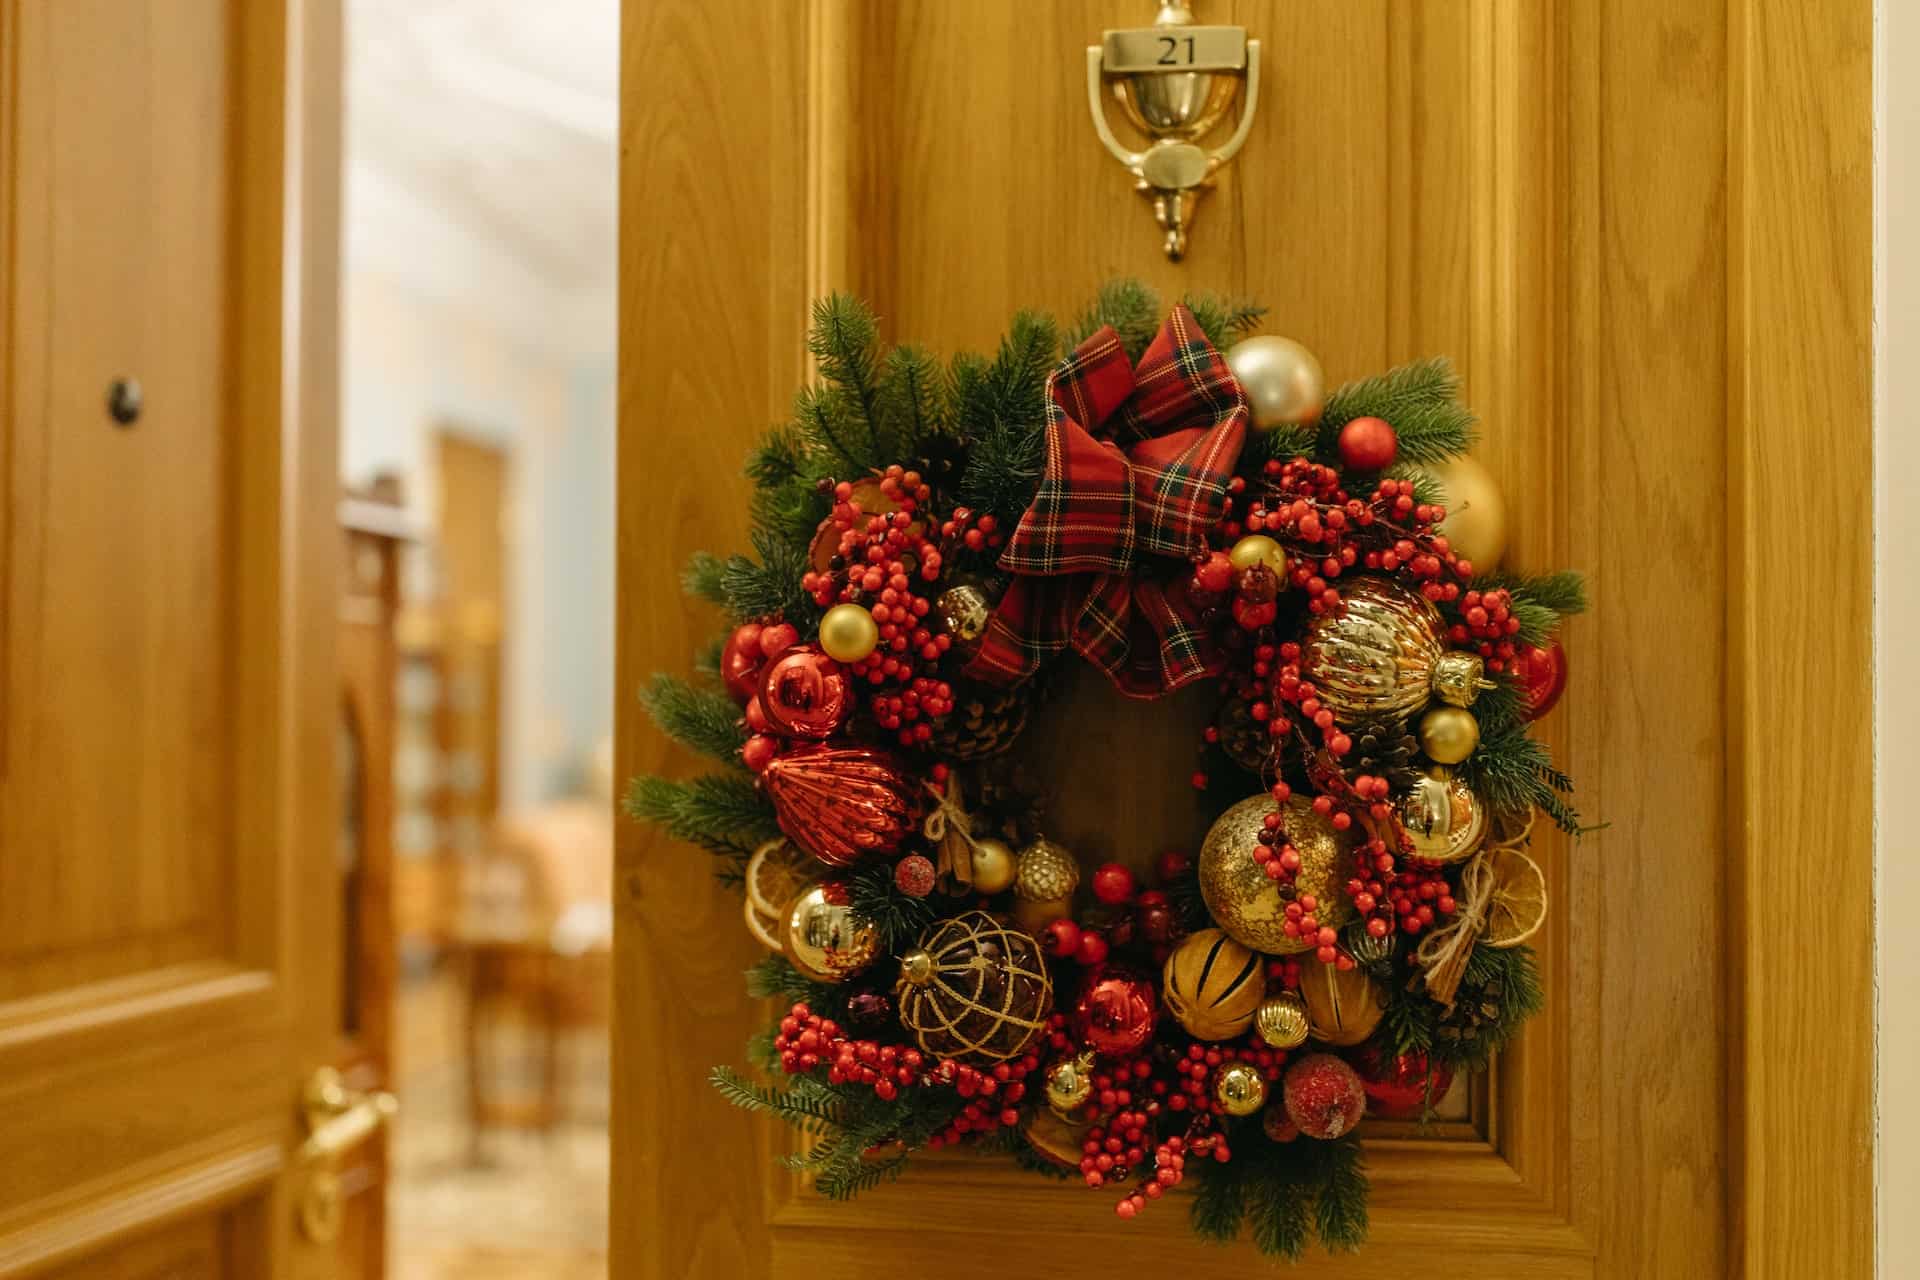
[481, 156]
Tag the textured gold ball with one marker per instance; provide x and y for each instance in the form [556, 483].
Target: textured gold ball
[848, 633]
[1047, 873]
[1240, 897]
[965, 612]
[1343, 1005]
[1442, 816]
[1448, 735]
[824, 940]
[1377, 655]
[1212, 985]
[1258, 548]
[1282, 1020]
[1283, 381]
[1239, 1088]
[1476, 523]
[992, 865]
[1070, 1083]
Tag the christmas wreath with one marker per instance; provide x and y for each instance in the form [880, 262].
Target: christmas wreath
[933, 540]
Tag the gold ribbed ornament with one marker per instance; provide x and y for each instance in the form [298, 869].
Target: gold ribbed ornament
[1282, 1020]
[1240, 897]
[1381, 654]
[1070, 1083]
[1443, 817]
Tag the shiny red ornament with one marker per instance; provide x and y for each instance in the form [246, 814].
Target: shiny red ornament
[756, 716]
[1542, 674]
[1397, 1087]
[777, 638]
[842, 804]
[759, 752]
[1091, 950]
[1113, 884]
[1368, 444]
[740, 662]
[1116, 1011]
[805, 693]
[1323, 1096]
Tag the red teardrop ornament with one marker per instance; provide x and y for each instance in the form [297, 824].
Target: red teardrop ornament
[842, 804]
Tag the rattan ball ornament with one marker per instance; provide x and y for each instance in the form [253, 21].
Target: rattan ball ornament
[1381, 654]
[974, 990]
[1248, 905]
[1213, 985]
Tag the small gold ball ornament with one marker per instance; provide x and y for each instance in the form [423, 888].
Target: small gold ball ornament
[1239, 1088]
[1476, 523]
[1212, 984]
[848, 633]
[1448, 735]
[1282, 1020]
[1443, 817]
[824, 940]
[1258, 548]
[1283, 381]
[1343, 1005]
[1044, 880]
[1240, 897]
[1070, 1083]
[964, 612]
[993, 865]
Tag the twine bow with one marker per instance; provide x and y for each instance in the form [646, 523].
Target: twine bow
[1100, 557]
[1443, 953]
[949, 828]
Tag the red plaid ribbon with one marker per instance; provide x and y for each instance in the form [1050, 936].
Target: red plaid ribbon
[1079, 556]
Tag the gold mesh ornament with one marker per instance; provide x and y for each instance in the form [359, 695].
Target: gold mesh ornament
[974, 989]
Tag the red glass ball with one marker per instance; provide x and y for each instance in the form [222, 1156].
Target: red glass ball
[1113, 884]
[1368, 444]
[1397, 1086]
[740, 662]
[805, 693]
[759, 751]
[1091, 950]
[756, 715]
[778, 638]
[1542, 674]
[1116, 1012]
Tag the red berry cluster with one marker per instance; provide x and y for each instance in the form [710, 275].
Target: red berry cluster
[1170, 1168]
[883, 559]
[1135, 915]
[993, 1096]
[1487, 625]
[976, 533]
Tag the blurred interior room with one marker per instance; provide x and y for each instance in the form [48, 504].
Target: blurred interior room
[477, 445]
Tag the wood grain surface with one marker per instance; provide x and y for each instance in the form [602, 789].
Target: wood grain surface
[1568, 200]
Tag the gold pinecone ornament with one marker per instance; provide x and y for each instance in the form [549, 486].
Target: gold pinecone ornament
[1043, 884]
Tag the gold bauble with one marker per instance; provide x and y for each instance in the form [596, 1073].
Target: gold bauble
[992, 865]
[1240, 897]
[1044, 879]
[1258, 548]
[1212, 984]
[1448, 735]
[1070, 1083]
[1282, 1020]
[1343, 1005]
[1376, 655]
[848, 633]
[1239, 1088]
[1476, 523]
[1283, 381]
[964, 612]
[824, 940]
[1442, 816]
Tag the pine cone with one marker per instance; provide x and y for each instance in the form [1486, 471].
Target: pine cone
[984, 722]
[1473, 1013]
[1382, 747]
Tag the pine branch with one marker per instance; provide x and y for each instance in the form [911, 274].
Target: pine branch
[809, 1115]
[844, 340]
[1427, 487]
[722, 813]
[913, 396]
[704, 720]
[770, 585]
[1418, 399]
[1540, 603]
[1219, 1204]
[775, 979]
[1224, 320]
[706, 659]
[1340, 1207]
[1000, 407]
[779, 458]
[899, 917]
[703, 577]
[1513, 773]
[1131, 307]
[821, 414]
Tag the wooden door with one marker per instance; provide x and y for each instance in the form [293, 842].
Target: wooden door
[1642, 230]
[168, 180]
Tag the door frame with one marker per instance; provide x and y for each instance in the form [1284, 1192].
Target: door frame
[806, 202]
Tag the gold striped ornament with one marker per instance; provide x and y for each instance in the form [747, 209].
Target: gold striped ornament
[1213, 985]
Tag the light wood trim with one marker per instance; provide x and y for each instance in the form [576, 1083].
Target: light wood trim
[1800, 417]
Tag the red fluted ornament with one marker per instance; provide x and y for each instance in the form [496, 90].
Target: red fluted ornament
[1323, 1095]
[1542, 674]
[841, 804]
[805, 694]
[1116, 1012]
[740, 662]
[1398, 1086]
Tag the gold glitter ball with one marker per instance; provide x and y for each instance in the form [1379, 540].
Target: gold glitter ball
[1240, 897]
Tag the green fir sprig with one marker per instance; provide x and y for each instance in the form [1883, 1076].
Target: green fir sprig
[1514, 773]
[1285, 1195]
[703, 720]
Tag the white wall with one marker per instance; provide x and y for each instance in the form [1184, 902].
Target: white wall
[1897, 630]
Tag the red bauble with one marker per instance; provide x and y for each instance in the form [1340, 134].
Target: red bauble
[1214, 575]
[913, 875]
[842, 804]
[1060, 937]
[1323, 1096]
[759, 752]
[1542, 674]
[777, 638]
[756, 716]
[1368, 444]
[805, 693]
[1113, 884]
[740, 662]
[1398, 1087]
[1116, 1011]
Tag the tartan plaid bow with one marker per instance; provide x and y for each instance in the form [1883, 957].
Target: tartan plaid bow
[1080, 556]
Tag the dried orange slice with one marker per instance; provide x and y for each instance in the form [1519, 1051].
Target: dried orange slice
[763, 926]
[776, 874]
[1519, 904]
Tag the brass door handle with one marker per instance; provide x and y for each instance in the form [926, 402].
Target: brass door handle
[337, 1119]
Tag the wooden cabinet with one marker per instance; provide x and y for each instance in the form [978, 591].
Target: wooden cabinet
[166, 594]
[1643, 231]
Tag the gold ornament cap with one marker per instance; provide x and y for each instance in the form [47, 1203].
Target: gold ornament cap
[916, 967]
[1282, 1020]
[1459, 677]
[1239, 1088]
